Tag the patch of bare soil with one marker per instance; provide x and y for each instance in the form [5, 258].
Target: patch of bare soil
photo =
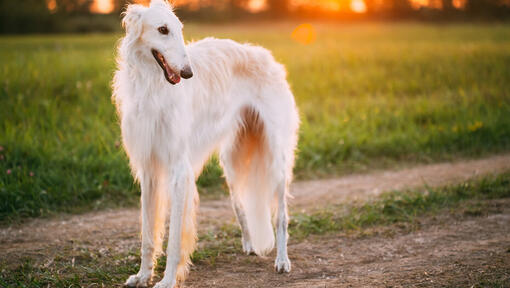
[464, 248]
[447, 250]
[313, 194]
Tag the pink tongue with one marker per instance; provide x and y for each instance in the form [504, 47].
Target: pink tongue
[174, 77]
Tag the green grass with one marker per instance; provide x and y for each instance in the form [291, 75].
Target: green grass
[401, 206]
[108, 267]
[370, 95]
[72, 270]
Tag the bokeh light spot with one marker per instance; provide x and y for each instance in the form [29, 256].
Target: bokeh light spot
[102, 6]
[304, 34]
[52, 5]
[358, 6]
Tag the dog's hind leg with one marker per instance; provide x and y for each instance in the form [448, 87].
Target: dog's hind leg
[282, 262]
[226, 163]
[241, 218]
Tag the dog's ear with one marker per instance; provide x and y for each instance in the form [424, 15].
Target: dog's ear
[161, 3]
[132, 20]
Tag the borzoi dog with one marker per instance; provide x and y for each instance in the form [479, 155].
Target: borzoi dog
[232, 99]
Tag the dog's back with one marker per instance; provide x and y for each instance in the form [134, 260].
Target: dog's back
[227, 59]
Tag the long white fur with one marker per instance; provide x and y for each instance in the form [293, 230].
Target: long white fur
[169, 132]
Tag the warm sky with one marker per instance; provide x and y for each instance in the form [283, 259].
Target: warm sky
[106, 6]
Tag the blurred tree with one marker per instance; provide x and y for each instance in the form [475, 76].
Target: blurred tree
[447, 5]
[74, 6]
[278, 8]
[35, 16]
[488, 8]
[238, 6]
[24, 16]
[119, 5]
[372, 6]
[401, 8]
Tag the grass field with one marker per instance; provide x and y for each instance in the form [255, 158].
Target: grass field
[370, 95]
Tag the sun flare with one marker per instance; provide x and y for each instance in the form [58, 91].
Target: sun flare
[52, 5]
[358, 6]
[102, 6]
[257, 5]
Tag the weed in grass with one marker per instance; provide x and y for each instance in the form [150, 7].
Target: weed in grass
[221, 242]
[69, 271]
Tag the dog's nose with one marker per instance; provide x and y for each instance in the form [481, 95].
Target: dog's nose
[186, 72]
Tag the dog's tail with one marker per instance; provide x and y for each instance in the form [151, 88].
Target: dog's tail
[257, 200]
[247, 164]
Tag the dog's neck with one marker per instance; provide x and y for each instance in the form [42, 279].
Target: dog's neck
[145, 71]
[140, 66]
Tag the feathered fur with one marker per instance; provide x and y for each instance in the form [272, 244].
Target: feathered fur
[238, 103]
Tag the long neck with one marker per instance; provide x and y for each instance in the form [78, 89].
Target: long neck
[141, 67]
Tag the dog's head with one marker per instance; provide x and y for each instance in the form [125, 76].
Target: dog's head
[154, 33]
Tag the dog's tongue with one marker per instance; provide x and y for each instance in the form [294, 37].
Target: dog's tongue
[172, 76]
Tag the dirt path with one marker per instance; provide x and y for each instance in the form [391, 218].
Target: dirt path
[362, 187]
[119, 229]
[456, 251]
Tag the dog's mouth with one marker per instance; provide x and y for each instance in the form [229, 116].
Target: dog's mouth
[170, 74]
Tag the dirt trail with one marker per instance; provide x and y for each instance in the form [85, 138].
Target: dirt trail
[119, 229]
[363, 187]
[446, 251]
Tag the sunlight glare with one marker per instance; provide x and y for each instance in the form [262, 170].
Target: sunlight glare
[417, 4]
[257, 5]
[358, 6]
[52, 5]
[102, 6]
[304, 34]
[459, 4]
[331, 5]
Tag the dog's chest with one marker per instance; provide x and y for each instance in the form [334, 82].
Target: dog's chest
[148, 130]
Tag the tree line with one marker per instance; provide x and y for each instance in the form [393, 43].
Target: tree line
[49, 16]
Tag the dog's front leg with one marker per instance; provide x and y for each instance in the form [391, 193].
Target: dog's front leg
[149, 199]
[181, 184]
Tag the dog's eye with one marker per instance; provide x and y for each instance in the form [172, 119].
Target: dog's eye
[163, 30]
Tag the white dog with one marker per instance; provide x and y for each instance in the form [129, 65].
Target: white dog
[235, 101]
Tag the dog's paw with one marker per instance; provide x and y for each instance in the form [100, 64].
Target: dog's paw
[282, 264]
[247, 248]
[138, 280]
[165, 284]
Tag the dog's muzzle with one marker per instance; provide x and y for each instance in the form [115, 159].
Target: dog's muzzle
[186, 72]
